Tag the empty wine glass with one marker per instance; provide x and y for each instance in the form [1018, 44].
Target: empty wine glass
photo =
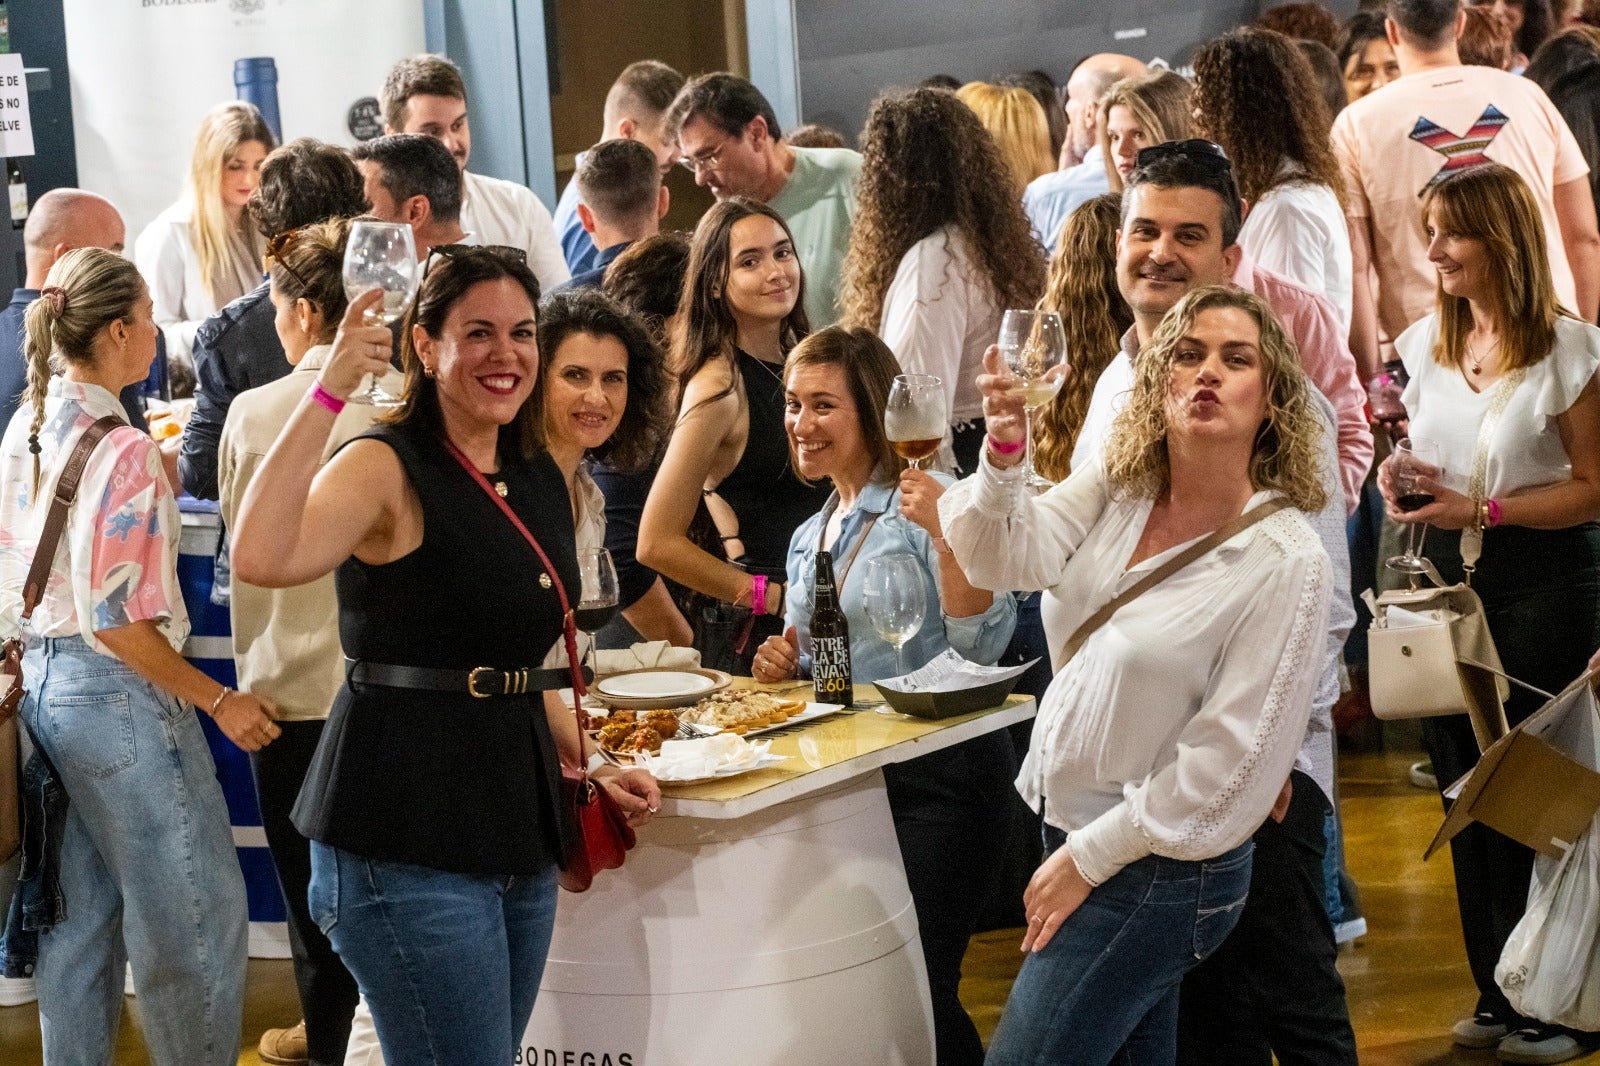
[1413, 460]
[1383, 403]
[1033, 344]
[915, 419]
[896, 600]
[380, 255]
[597, 602]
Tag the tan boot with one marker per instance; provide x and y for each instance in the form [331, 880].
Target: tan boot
[284, 1047]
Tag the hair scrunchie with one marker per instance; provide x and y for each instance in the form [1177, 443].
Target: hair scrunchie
[56, 297]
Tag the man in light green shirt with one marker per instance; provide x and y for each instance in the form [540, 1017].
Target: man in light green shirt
[731, 141]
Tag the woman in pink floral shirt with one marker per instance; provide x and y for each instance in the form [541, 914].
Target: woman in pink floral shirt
[147, 867]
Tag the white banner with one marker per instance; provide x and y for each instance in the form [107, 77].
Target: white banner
[144, 72]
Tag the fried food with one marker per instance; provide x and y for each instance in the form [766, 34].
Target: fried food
[740, 710]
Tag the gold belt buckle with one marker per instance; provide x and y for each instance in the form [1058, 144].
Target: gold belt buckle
[513, 682]
[472, 682]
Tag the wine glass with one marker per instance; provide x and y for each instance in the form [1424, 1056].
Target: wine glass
[896, 600]
[597, 602]
[915, 418]
[380, 255]
[1412, 461]
[1383, 402]
[1033, 344]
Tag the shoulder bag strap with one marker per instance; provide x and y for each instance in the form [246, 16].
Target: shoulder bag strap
[1478, 484]
[569, 627]
[1164, 571]
[55, 523]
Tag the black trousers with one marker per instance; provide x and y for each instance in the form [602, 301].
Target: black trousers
[1272, 988]
[952, 817]
[327, 990]
[1541, 594]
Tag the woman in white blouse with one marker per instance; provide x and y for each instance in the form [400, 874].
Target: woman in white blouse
[940, 247]
[1256, 95]
[1501, 352]
[1167, 739]
[203, 252]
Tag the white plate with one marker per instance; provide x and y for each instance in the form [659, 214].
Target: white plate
[812, 712]
[656, 685]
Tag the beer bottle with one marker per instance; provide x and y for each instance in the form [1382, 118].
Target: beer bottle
[830, 640]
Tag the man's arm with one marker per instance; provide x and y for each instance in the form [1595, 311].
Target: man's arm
[1363, 308]
[1574, 206]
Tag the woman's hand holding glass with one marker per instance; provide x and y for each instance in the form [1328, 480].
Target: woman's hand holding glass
[1004, 414]
[777, 659]
[919, 499]
[1447, 510]
[360, 348]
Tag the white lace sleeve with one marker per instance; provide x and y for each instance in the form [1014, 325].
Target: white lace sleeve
[1234, 755]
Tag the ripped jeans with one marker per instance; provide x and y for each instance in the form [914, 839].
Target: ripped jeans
[1105, 989]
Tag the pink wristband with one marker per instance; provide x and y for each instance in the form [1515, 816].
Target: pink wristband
[325, 398]
[758, 594]
[1494, 513]
[1006, 449]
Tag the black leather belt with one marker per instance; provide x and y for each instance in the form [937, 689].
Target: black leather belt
[480, 682]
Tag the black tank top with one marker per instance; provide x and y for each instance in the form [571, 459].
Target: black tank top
[763, 490]
[443, 779]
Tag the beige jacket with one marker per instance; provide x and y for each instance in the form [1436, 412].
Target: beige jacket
[285, 641]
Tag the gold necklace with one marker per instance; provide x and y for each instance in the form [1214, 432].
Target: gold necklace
[1472, 357]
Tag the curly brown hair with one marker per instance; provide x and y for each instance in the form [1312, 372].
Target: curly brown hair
[1300, 21]
[927, 162]
[1258, 97]
[1287, 456]
[1083, 289]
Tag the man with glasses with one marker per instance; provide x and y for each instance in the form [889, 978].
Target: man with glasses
[412, 180]
[425, 94]
[1272, 988]
[237, 348]
[729, 138]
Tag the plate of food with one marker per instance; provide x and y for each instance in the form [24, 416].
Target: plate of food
[749, 712]
[659, 688]
[688, 762]
[628, 733]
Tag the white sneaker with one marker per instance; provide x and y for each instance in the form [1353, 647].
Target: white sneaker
[15, 991]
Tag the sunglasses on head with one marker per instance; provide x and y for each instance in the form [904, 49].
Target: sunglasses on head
[1196, 149]
[503, 252]
[280, 244]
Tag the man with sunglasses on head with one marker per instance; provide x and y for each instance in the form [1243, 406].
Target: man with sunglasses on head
[425, 94]
[730, 140]
[412, 180]
[237, 348]
[1272, 988]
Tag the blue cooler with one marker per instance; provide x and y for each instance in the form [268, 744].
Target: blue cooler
[210, 648]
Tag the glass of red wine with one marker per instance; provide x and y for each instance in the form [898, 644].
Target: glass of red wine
[1383, 401]
[597, 604]
[1413, 463]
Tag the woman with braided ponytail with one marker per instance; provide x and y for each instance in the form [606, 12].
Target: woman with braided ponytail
[147, 870]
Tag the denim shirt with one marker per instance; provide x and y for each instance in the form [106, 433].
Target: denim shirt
[980, 638]
[37, 904]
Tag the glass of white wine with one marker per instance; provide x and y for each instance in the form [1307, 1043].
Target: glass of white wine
[896, 601]
[381, 255]
[1034, 347]
[914, 418]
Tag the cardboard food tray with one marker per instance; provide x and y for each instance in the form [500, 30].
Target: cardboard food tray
[948, 704]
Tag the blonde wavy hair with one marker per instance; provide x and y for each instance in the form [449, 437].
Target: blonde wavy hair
[1161, 102]
[225, 129]
[1018, 125]
[1287, 457]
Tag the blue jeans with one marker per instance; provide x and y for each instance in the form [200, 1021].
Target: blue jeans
[449, 963]
[1105, 989]
[148, 868]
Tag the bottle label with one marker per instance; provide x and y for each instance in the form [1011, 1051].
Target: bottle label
[830, 668]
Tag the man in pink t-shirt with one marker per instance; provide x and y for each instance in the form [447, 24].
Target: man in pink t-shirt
[1437, 118]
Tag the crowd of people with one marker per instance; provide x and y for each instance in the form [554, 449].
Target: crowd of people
[1233, 251]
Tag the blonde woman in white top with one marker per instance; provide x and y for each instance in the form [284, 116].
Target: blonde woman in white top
[940, 247]
[1501, 351]
[203, 252]
[1163, 744]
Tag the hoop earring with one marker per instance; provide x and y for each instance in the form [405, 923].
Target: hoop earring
[427, 371]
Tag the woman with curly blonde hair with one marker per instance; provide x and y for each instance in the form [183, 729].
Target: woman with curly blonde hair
[940, 247]
[1256, 95]
[203, 252]
[1018, 124]
[1169, 732]
[1082, 289]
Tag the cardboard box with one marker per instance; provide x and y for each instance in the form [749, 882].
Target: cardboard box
[948, 704]
[1538, 784]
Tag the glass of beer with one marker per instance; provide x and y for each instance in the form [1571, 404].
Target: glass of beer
[915, 419]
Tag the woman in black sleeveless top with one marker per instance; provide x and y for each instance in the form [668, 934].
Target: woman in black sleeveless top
[741, 312]
[433, 801]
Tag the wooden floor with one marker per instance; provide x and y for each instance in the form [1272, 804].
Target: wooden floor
[1407, 978]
